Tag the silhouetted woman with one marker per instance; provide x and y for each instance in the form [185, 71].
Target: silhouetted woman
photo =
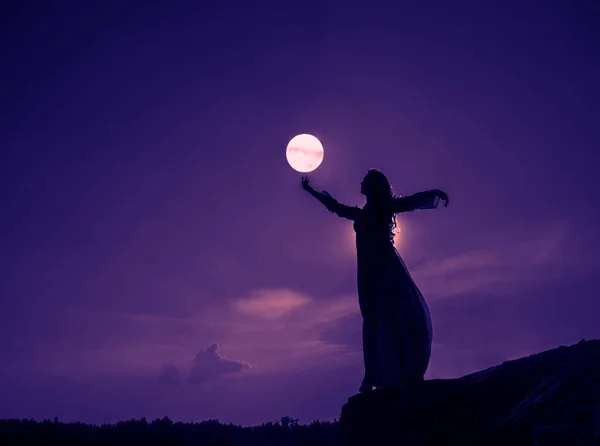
[397, 328]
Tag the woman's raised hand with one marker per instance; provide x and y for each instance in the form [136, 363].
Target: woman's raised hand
[306, 183]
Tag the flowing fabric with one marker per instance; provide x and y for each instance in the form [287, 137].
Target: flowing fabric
[397, 329]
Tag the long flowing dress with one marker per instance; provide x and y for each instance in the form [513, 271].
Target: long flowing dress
[397, 330]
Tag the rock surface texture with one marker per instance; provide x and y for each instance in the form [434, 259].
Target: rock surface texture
[550, 398]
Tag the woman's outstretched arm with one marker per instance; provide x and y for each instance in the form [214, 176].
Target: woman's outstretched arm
[349, 212]
[428, 199]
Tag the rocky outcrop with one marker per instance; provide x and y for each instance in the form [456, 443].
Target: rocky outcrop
[550, 398]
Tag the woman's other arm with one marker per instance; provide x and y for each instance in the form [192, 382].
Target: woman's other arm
[428, 199]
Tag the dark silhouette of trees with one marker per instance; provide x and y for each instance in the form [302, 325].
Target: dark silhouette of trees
[163, 431]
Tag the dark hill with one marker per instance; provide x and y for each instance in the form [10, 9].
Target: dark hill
[550, 398]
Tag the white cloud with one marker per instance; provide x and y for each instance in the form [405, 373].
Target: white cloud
[280, 329]
[271, 303]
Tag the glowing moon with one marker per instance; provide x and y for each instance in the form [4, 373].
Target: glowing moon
[304, 153]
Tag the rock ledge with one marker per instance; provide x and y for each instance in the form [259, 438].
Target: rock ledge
[550, 398]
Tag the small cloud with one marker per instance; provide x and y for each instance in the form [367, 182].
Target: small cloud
[209, 365]
[271, 304]
[169, 374]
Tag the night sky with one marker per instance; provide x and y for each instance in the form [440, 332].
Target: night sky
[148, 210]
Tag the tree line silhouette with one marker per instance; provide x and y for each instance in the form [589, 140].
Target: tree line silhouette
[164, 431]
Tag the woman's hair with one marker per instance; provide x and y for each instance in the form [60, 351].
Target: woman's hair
[381, 197]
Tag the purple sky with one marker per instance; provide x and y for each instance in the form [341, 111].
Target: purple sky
[148, 211]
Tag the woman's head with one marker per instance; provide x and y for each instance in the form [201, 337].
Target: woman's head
[375, 186]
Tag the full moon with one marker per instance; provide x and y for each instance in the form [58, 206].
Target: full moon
[304, 153]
